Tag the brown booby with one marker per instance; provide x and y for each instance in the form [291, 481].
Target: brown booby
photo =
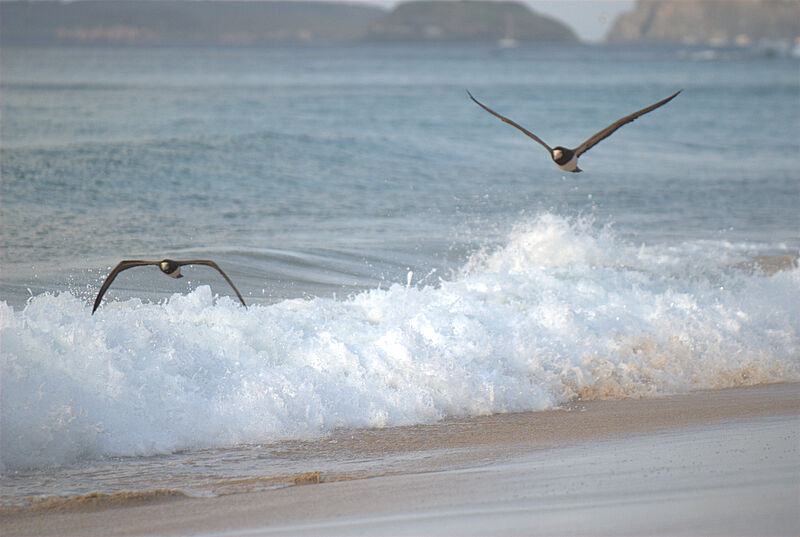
[567, 159]
[168, 266]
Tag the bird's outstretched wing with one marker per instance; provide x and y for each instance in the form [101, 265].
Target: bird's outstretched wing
[122, 265]
[513, 124]
[213, 265]
[608, 131]
[130, 263]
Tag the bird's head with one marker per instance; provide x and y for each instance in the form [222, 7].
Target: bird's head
[562, 155]
[170, 268]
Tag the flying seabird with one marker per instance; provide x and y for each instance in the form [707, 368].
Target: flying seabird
[567, 159]
[168, 266]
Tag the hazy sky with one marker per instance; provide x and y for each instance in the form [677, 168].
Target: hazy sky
[590, 19]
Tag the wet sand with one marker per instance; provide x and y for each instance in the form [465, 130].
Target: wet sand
[714, 462]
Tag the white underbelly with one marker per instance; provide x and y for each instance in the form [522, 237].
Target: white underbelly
[570, 166]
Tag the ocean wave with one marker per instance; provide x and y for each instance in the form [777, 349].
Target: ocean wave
[561, 310]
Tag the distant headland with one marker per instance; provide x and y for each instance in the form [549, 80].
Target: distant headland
[716, 22]
[504, 22]
[467, 21]
[236, 21]
[176, 21]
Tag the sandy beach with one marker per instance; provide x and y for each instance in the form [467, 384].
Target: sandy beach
[721, 462]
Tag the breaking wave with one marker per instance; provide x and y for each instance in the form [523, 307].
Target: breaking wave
[560, 311]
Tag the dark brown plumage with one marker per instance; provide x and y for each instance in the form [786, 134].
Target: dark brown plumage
[567, 159]
[168, 266]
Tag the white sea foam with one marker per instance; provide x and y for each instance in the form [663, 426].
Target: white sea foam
[562, 310]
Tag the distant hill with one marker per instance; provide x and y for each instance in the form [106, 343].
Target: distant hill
[238, 21]
[467, 20]
[740, 21]
[181, 21]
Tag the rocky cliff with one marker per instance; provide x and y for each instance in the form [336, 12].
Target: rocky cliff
[467, 20]
[740, 21]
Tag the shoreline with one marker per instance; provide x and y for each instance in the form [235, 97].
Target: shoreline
[445, 467]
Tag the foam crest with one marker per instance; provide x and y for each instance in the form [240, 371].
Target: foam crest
[548, 240]
[558, 312]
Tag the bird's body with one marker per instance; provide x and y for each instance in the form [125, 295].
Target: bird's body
[565, 158]
[169, 267]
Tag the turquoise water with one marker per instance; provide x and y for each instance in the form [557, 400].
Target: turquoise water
[406, 256]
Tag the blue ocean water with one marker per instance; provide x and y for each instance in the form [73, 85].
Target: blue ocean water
[406, 257]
